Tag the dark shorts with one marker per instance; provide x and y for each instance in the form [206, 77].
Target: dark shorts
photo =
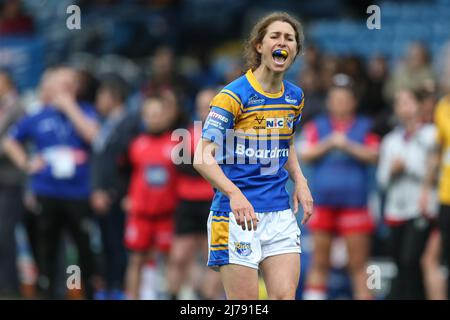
[444, 226]
[191, 217]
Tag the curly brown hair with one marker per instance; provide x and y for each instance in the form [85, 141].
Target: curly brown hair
[252, 57]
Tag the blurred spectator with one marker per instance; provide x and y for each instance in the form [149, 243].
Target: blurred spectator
[110, 176]
[427, 96]
[152, 196]
[314, 96]
[312, 58]
[61, 133]
[11, 182]
[439, 166]
[165, 76]
[434, 279]
[442, 61]
[13, 21]
[329, 67]
[413, 73]
[373, 103]
[87, 86]
[377, 72]
[353, 67]
[402, 168]
[340, 147]
[195, 195]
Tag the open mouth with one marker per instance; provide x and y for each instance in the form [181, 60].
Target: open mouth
[279, 56]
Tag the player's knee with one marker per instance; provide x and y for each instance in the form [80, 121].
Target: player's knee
[179, 259]
[242, 296]
[242, 293]
[284, 294]
[136, 260]
[356, 266]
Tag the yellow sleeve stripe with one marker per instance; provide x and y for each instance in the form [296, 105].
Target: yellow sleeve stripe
[302, 104]
[226, 101]
[233, 95]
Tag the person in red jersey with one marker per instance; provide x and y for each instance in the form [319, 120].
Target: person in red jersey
[151, 197]
[191, 215]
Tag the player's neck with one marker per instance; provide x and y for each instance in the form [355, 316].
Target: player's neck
[271, 82]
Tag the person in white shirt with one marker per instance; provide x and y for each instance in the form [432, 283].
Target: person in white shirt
[402, 168]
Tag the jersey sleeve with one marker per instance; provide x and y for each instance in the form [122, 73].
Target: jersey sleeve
[439, 119]
[299, 110]
[224, 109]
[21, 131]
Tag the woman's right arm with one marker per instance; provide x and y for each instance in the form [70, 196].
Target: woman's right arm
[206, 165]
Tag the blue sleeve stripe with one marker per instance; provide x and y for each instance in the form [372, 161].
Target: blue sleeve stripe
[218, 245]
[220, 220]
[232, 115]
[221, 214]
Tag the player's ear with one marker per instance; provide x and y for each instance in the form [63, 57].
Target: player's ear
[258, 48]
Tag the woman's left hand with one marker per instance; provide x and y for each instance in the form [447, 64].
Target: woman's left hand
[303, 196]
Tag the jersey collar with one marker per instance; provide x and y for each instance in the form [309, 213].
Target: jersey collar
[255, 84]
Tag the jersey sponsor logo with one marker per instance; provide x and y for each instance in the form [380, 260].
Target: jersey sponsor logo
[156, 176]
[215, 115]
[259, 121]
[261, 153]
[254, 99]
[275, 123]
[290, 100]
[243, 248]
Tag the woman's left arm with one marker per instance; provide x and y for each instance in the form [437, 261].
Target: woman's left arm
[301, 193]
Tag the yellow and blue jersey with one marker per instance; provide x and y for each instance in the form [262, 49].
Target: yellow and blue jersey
[253, 130]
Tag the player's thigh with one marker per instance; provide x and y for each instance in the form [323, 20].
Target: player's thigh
[322, 241]
[240, 282]
[358, 247]
[281, 275]
[183, 248]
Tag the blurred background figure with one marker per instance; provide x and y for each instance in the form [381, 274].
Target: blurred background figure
[401, 171]
[13, 20]
[340, 147]
[439, 170]
[11, 184]
[61, 133]
[413, 73]
[195, 195]
[164, 46]
[110, 178]
[152, 196]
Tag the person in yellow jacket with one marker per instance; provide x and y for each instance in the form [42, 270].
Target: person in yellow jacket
[440, 164]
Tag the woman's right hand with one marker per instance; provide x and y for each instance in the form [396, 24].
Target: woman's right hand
[243, 211]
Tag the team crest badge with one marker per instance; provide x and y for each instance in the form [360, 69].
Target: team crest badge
[290, 121]
[243, 248]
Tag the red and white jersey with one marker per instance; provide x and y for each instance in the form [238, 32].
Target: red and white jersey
[152, 188]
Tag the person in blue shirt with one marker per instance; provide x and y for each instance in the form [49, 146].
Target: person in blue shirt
[247, 154]
[60, 134]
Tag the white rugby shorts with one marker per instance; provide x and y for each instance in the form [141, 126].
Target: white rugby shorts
[277, 233]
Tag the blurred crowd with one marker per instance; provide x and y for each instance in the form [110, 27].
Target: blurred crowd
[86, 173]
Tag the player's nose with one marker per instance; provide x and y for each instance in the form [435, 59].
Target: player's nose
[281, 43]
